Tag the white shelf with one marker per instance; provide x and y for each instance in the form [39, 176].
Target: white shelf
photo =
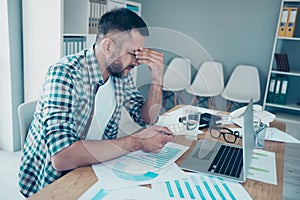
[287, 1]
[290, 46]
[285, 106]
[289, 38]
[79, 34]
[292, 73]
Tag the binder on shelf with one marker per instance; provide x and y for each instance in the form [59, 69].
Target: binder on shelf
[97, 9]
[283, 21]
[277, 90]
[285, 62]
[73, 44]
[282, 62]
[291, 22]
[270, 95]
[283, 90]
[278, 61]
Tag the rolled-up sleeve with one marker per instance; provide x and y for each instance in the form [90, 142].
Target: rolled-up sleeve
[58, 119]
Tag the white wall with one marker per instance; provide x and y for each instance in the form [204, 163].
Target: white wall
[42, 39]
[11, 87]
[5, 82]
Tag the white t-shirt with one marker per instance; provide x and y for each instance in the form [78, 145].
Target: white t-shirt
[105, 104]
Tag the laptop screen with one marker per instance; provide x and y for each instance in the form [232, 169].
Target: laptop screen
[248, 137]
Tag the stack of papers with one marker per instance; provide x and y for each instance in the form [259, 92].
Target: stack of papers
[138, 168]
[121, 179]
[180, 185]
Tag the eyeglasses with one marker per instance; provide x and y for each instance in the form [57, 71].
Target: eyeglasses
[228, 135]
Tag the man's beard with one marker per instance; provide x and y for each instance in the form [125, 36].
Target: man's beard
[116, 69]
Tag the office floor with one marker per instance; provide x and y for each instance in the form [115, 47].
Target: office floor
[10, 164]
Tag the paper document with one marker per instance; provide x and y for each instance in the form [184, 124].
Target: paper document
[275, 134]
[258, 114]
[172, 123]
[138, 168]
[263, 167]
[171, 119]
[178, 112]
[113, 179]
[96, 192]
[141, 162]
[199, 186]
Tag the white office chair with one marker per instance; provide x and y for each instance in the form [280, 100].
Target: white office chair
[242, 85]
[25, 114]
[209, 82]
[177, 78]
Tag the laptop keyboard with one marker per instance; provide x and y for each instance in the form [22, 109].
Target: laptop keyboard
[228, 161]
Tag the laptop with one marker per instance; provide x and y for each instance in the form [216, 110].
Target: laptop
[224, 160]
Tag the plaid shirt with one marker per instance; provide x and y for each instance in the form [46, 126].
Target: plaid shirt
[62, 112]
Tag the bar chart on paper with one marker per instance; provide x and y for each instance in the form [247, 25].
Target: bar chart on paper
[140, 162]
[199, 186]
[140, 168]
[263, 167]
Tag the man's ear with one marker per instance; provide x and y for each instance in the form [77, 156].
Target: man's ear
[107, 46]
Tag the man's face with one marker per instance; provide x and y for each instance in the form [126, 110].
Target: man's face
[125, 59]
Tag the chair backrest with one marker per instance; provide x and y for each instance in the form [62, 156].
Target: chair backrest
[25, 114]
[243, 85]
[209, 80]
[177, 75]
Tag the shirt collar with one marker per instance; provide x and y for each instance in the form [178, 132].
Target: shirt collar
[93, 67]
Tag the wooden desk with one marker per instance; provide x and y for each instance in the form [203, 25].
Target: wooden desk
[76, 182]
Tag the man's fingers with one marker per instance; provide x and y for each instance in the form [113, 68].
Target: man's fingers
[147, 56]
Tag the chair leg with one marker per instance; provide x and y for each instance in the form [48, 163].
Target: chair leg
[209, 102]
[175, 99]
[195, 98]
[180, 98]
[213, 103]
[165, 99]
[228, 106]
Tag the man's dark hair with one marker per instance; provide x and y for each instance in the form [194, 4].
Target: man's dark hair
[121, 20]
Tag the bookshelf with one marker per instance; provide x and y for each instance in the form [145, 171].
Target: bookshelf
[285, 43]
[50, 28]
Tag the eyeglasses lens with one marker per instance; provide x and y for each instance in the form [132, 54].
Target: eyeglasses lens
[229, 137]
[215, 133]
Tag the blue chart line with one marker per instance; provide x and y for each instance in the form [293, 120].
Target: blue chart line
[158, 160]
[169, 188]
[100, 195]
[188, 187]
[118, 170]
[181, 195]
[207, 188]
[217, 187]
[227, 189]
[198, 187]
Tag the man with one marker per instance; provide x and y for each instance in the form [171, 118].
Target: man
[60, 137]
